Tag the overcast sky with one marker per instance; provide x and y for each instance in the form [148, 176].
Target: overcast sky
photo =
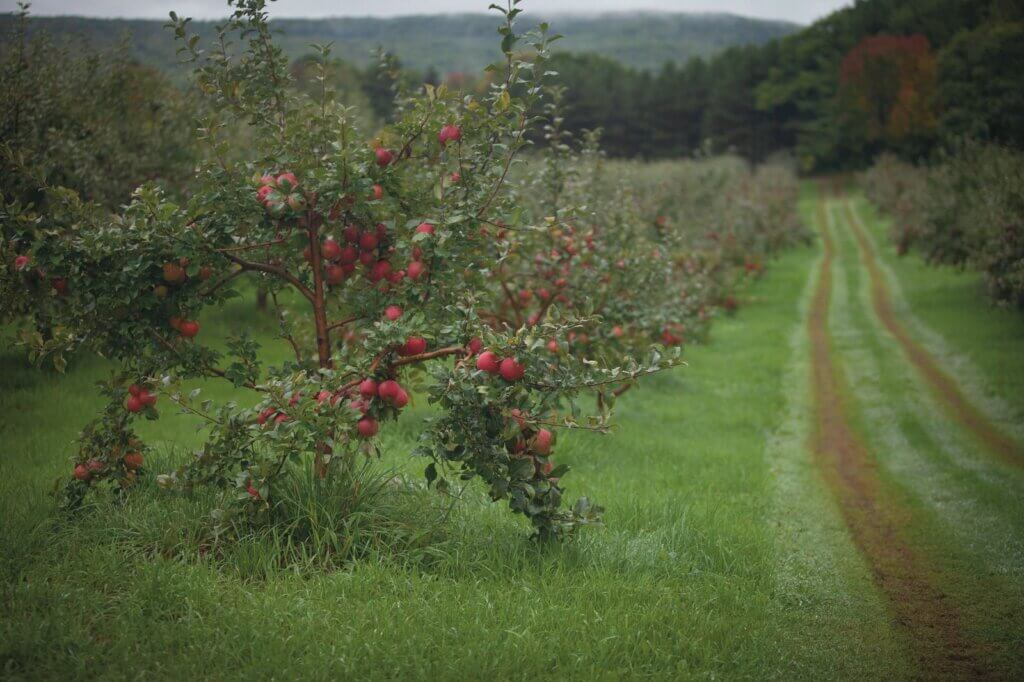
[803, 11]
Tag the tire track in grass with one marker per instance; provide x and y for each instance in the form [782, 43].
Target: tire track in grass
[932, 623]
[949, 395]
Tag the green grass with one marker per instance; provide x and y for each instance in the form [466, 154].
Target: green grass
[723, 554]
[949, 311]
[967, 515]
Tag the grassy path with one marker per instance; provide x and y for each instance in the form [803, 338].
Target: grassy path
[928, 485]
[797, 503]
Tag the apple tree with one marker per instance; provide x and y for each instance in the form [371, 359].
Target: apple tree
[381, 256]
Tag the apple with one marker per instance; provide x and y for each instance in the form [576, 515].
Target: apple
[368, 241]
[425, 228]
[81, 472]
[525, 295]
[511, 369]
[147, 398]
[546, 468]
[396, 277]
[60, 285]
[133, 461]
[135, 390]
[617, 331]
[416, 270]
[253, 493]
[413, 346]
[281, 417]
[189, 328]
[330, 250]
[367, 427]
[455, 177]
[133, 404]
[94, 465]
[489, 362]
[388, 390]
[351, 234]
[542, 441]
[392, 312]
[382, 231]
[296, 202]
[401, 399]
[335, 274]
[287, 182]
[263, 194]
[449, 133]
[323, 396]
[349, 254]
[384, 157]
[378, 192]
[367, 257]
[381, 269]
[474, 345]
[174, 273]
[553, 346]
[21, 262]
[368, 388]
[265, 414]
[205, 272]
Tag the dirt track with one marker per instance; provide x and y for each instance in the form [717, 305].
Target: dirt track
[875, 518]
[945, 389]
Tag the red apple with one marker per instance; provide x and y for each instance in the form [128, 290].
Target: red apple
[553, 346]
[133, 404]
[367, 427]
[21, 262]
[81, 472]
[351, 234]
[511, 370]
[188, 328]
[265, 414]
[133, 461]
[147, 398]
[349, 254]
[253, 493]
[384, 157]
[335, 274]
[388, 390]
[413, 346]
[330, 250]
[368, 241]
[368, 388]
[416, 270]
[367, 257]
[60, 285]
[392, 312]
[287, 181]
[135, 390]
[449, 133]
[617, 331]
[455, 177]
[489, 362]
[474, 345]
[401, 399]
[542, 441]
[425, 228]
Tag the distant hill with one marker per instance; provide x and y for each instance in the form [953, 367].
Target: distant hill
[457, 42]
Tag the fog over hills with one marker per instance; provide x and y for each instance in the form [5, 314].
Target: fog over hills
[448, 42]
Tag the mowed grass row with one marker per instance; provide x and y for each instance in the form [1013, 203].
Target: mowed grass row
[965, 511]
[723, 554]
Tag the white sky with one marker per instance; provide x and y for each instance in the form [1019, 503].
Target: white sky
[803, 11]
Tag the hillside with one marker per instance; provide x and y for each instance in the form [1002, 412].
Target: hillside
[449, 42]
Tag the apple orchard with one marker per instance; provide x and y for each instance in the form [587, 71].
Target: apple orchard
[518, 304]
